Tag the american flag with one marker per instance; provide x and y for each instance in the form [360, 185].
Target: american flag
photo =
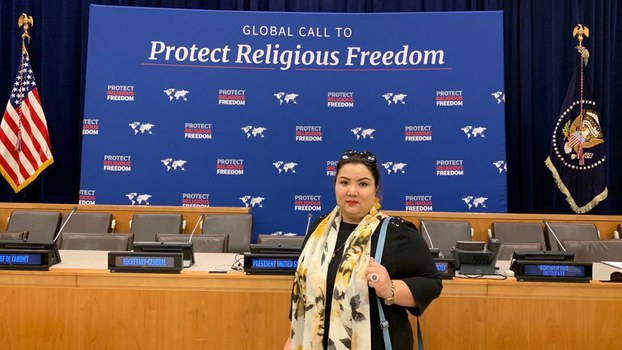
[25, 149]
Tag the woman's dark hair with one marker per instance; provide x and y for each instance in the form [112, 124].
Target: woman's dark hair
[366, 158]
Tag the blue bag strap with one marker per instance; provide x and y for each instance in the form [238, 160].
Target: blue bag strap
[381, 239]
[419, 336]
[384, 324]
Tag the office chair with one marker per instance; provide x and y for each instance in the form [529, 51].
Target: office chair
[146, 226]
[595, 251]
[445, 234]
[279, 240]
[506, 250]
[88, 222]
[518, 232]
[96, 241]
[237, 226]
[570, 232]
[208, 243]
[41, 225]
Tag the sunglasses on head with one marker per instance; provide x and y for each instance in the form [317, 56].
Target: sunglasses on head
[364, 155]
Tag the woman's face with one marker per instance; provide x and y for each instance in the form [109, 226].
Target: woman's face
[355, 190]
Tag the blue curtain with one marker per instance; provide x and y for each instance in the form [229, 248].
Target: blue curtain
[539, 58]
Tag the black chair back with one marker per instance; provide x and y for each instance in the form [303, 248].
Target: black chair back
[570, 232]
[96, 241]
[519, 232]
[88, 222]
[445, 234]
[146, 226]
[279, 240]
[595, 251]
[41, 225]
[237, 226]
[207, 243]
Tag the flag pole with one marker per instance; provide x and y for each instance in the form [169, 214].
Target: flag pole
[25, 22]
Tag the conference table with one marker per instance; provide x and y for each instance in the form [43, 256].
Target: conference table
[79, 304]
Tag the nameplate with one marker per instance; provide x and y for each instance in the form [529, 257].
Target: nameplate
[25, 259]
[270, 264]
[145, 262]
[552, 271]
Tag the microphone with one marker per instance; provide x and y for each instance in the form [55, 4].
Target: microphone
[546, 223]
[309, 216]
[427, 233]
[200, 221]
[73, 210]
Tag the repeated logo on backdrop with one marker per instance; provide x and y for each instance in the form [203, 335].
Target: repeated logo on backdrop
[120, 93]
[176, 94]
[449, 98]
[232, 97]
[138, 198]
[395, 167]
[418, 203]
[286, 97]
[252, 201]
[395, 98]
[87, 197]
[254, 131]
[309, 133]
[285, 166]
[198, 131]
[230, 166]
[249, 118]
[418, 133]
[142, 128]
[195, 200]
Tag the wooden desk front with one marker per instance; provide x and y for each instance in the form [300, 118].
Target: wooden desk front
[90, 308]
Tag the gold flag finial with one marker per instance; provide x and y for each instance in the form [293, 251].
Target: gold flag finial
[579, 31]
[25, 22]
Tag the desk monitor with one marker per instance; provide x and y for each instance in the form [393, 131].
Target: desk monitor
[185, 248]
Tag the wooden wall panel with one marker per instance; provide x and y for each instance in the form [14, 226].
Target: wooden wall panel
[38, 318]
[129, 319]
[481, 222]
[91, 309]
[122, 214]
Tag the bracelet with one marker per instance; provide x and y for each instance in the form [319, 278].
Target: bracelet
[391, 298]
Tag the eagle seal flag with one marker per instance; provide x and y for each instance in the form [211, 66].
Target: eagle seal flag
[577, 157]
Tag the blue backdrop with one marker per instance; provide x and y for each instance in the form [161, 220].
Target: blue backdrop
[189, 107]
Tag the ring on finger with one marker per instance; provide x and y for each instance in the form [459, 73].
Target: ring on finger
[374, 277]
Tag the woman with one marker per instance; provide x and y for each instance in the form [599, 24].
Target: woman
[337, 281]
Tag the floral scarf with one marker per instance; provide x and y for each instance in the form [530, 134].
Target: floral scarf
[349, 317]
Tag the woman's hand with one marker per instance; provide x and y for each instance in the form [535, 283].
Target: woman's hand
[378, 278]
